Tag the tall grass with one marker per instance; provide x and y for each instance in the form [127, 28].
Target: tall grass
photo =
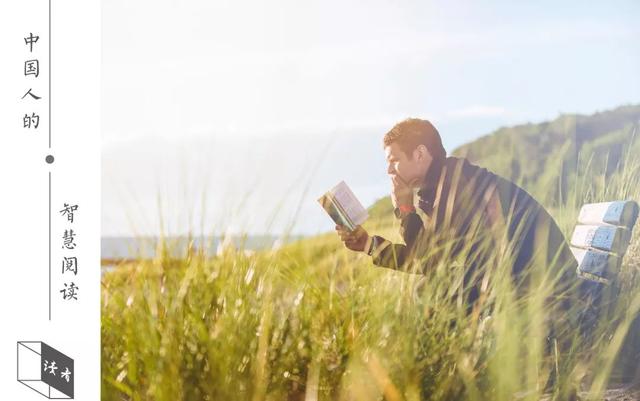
[313, 321]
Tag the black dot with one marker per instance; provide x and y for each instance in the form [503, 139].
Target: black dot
[49, 159]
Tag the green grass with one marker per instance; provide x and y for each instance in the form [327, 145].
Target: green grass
[314, 321]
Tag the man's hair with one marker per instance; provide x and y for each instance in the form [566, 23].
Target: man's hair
[410, 133]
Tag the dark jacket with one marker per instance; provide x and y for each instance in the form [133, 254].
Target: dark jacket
[474, 214]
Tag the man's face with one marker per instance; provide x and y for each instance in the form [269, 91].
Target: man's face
[410, 170]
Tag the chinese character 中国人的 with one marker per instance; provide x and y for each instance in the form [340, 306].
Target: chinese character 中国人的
[36, 97]
[30, 41]
[50, 367]
[31, 121]
[68, 239]
[70, 291]
[68, 210]
[70, 265]
[32, 67]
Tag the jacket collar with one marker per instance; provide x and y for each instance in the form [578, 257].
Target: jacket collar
[427, 191]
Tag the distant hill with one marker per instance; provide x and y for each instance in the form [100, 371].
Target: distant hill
[544, 158]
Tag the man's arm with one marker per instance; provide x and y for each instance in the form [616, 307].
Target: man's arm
[383, 252]
[395, 256]
[418, 251]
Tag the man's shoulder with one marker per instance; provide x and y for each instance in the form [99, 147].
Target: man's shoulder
[472, 172]
[463, 172]
[453, 162]
[464, 175]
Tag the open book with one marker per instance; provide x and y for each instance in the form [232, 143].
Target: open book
[343, 206]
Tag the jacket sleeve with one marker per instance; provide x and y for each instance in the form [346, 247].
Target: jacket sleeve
[424, 246]
[396, 256]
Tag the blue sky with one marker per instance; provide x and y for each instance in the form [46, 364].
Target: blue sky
[235, 70]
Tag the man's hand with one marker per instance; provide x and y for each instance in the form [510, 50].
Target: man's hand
[401, 193]
[354, 240]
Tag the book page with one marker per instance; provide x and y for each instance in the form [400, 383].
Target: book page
[349, 203]
[328, 203]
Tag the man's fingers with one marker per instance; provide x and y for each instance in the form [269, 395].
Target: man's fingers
[344, 234]
[347, 237]
[350, 238]
[398, 182]
[394, 182]
[342, 229]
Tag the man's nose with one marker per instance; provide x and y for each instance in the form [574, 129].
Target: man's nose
[390, 170]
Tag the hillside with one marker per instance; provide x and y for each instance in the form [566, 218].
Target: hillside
[543, 158]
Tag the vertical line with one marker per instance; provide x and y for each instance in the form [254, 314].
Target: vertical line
[49, 245]
[50, 64]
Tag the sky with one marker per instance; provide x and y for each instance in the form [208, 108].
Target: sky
[204, 86]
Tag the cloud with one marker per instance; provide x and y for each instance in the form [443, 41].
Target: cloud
[477, 111]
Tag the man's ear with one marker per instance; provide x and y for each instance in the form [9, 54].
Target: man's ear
[421, 152]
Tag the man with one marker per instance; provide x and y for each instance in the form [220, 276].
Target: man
[470, 214]
[495, 228]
